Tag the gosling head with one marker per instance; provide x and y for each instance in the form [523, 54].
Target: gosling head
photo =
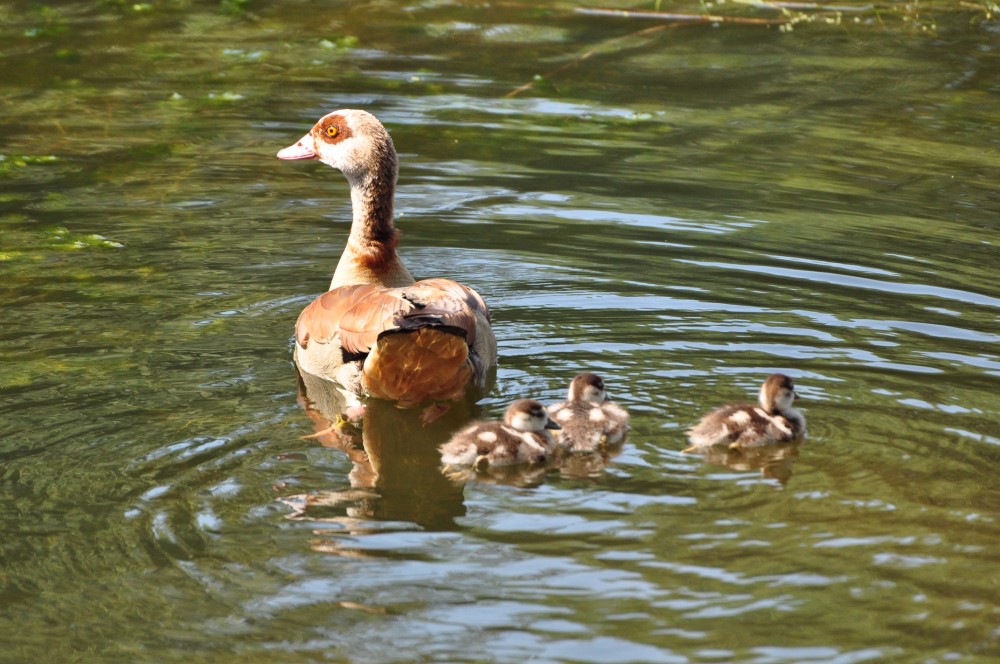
[352, 141]
[777, 393]
[528, 415]
[588, 387]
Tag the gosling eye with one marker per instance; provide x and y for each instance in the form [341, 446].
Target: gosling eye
[332, 131]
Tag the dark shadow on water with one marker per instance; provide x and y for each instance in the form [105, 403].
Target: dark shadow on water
[396, 474]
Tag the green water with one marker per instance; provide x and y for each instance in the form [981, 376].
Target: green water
[683, 210]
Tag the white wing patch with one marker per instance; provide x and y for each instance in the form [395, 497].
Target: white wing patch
[458, 454]
[781, 425]
[740, 418]
[530, 441]
[701, 438]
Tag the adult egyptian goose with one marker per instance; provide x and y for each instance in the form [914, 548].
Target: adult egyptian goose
[377, 332]
[746, 425]
[589, 420]
[522, 437]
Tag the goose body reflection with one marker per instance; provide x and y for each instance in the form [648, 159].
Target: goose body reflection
[774, 420]
[395, 474]
[523, 437]
[589, 419]
[376, 331]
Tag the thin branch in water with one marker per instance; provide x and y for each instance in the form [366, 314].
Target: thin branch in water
[807, 6]
[679, 18]
[987, 9]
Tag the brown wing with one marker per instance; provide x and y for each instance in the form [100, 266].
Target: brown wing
[320, 321]
[443, 303]
[370, 317]
[355, 314]
[460, 292]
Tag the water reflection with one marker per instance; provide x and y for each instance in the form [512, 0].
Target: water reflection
[773, 461]
[778, 208]
[521, 475]
[396, 473]
[581, 465]
[396, 479]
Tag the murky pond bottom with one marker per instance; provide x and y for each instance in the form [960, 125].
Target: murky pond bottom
[683, 211]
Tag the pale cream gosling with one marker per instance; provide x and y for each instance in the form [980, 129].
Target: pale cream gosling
[522, 437]
[746, 425]
[589, 419]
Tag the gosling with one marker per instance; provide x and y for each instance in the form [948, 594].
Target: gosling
[523, 437]
[746, 425]
[589, 419]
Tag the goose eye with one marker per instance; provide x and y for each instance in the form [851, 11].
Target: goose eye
[331, 131]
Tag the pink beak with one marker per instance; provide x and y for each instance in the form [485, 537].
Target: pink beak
[301, 149]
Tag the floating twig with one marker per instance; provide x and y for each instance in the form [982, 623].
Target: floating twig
[678, 18]
[807, 6]
[792, 12]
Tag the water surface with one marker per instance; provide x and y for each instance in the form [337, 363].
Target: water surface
[683, 211]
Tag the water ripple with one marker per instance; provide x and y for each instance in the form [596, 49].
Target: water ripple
[965, 297]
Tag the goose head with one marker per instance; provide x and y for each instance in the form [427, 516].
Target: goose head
[528, 415]
[352, 141]
[777, 393]
[588, 387]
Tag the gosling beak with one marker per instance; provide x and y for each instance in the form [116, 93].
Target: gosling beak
[301, 150]
[552, 424]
